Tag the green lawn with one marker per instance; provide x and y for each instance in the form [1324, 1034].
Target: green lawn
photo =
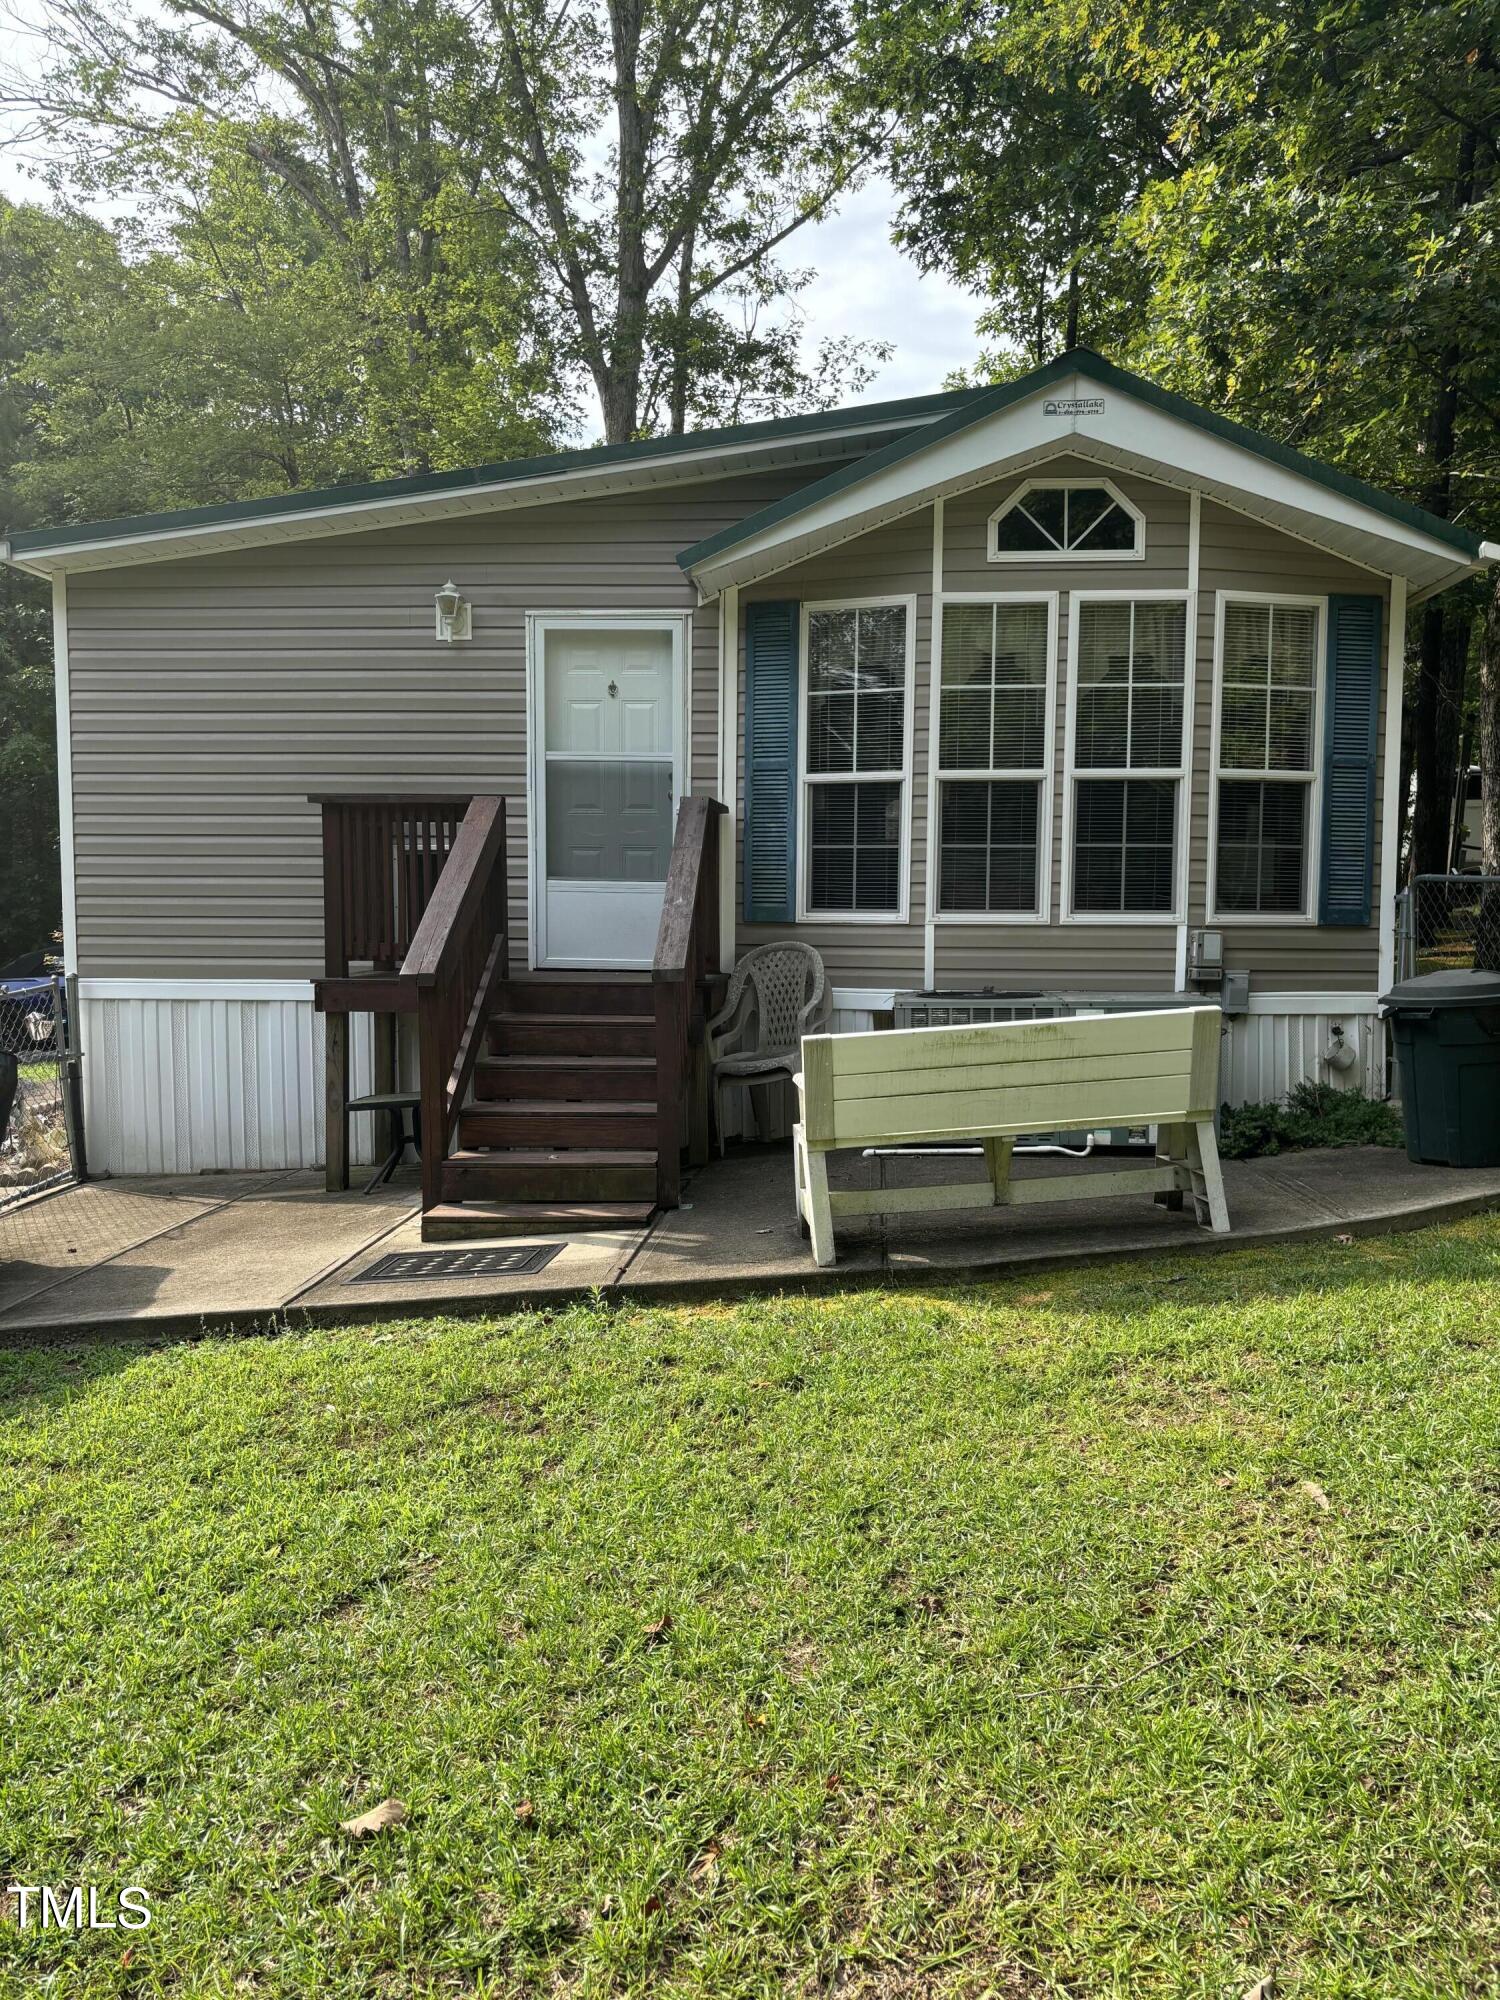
[1129, 1632]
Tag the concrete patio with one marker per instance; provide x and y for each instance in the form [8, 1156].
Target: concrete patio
[253, 1250]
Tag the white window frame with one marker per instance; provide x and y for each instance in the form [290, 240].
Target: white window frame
[1047, 776]
[1137, 553]
[1314, 783]
[1183, 772]
[806, 914]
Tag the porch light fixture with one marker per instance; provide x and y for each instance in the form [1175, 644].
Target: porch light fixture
[454, 615]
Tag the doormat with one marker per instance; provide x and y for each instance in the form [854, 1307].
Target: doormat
[518, 1263]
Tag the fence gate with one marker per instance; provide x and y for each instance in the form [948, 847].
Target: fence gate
[1447, 923]
[41, 1140]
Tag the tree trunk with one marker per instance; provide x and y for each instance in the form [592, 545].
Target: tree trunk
[1403, 795]
[681, 359]
[622, 402]
[1440, 686]
[1430, 814]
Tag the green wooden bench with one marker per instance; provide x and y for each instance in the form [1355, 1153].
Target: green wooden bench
[998, 1083]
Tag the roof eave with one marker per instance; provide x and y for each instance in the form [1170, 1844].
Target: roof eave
[350, 510]
[710, 561]
[1376, 531]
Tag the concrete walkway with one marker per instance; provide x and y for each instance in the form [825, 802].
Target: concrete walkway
[253, 1250]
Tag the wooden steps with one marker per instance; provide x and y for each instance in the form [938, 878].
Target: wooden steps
[613, 1079]
[530, 1032]
[561, 1135]
[558, 1123]
[450, 1220]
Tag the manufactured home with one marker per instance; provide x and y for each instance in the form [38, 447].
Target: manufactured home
[1061, 695]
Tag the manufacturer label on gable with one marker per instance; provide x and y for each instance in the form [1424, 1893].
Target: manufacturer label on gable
[1073, 406]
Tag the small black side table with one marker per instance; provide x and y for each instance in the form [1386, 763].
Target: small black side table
[404, 1109]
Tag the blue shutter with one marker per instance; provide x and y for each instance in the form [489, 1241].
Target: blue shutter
[1351, 720]
[771, 762]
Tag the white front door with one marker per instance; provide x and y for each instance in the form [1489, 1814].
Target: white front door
[606, 709]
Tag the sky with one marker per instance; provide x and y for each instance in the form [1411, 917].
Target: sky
[863, 287]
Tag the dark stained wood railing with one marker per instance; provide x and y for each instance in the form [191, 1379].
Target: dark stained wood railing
[383, 853]
[457, 960]
[687, 957]
[415, 888]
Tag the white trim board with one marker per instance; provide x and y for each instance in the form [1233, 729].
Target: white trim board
[881, 999]
[62, 699]
[1126, 432]
[1390, 804]
[396, 510]
[729, 762]
[934, 697]
[188, 987]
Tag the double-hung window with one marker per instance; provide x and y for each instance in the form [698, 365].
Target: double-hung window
[1128, 717]
[856, 754]
[1266, 765]
[994, 753]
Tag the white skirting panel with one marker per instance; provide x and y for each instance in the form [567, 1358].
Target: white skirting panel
[178, 1084]
[1264, 1054]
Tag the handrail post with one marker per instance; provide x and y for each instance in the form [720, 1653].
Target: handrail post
[668, 1094]
[336, 1102]
[432, 1074]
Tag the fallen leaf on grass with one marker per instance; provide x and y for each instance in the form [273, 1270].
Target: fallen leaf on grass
[1343, 1239]
[1315, 1493]
[1033, 1298]
[525, 1812]
[706, 1867]
[390, 1812]
[654, 1634]
[1262, 1989]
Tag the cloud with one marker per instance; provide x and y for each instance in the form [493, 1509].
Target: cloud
[865, 286]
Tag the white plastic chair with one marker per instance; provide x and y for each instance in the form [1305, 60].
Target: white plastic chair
[777, 994]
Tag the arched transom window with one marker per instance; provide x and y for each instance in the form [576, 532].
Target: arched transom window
[1049, 520]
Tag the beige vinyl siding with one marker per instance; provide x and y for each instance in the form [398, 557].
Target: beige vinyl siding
[210, 696]
[1234, 554]
[890, 561]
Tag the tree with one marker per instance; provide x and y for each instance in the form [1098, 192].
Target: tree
[30, 898]
[1015, 148]
[591, 189]
[1287, 211]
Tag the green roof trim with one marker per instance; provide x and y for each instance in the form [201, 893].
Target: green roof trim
[276, 506]
[1083, 361]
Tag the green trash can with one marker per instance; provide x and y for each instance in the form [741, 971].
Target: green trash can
[1446, 1027]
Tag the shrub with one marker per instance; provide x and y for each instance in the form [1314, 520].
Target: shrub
[1314, 1114]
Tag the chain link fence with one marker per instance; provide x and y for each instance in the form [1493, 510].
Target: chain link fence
[1448, 923]
[40, 1145]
